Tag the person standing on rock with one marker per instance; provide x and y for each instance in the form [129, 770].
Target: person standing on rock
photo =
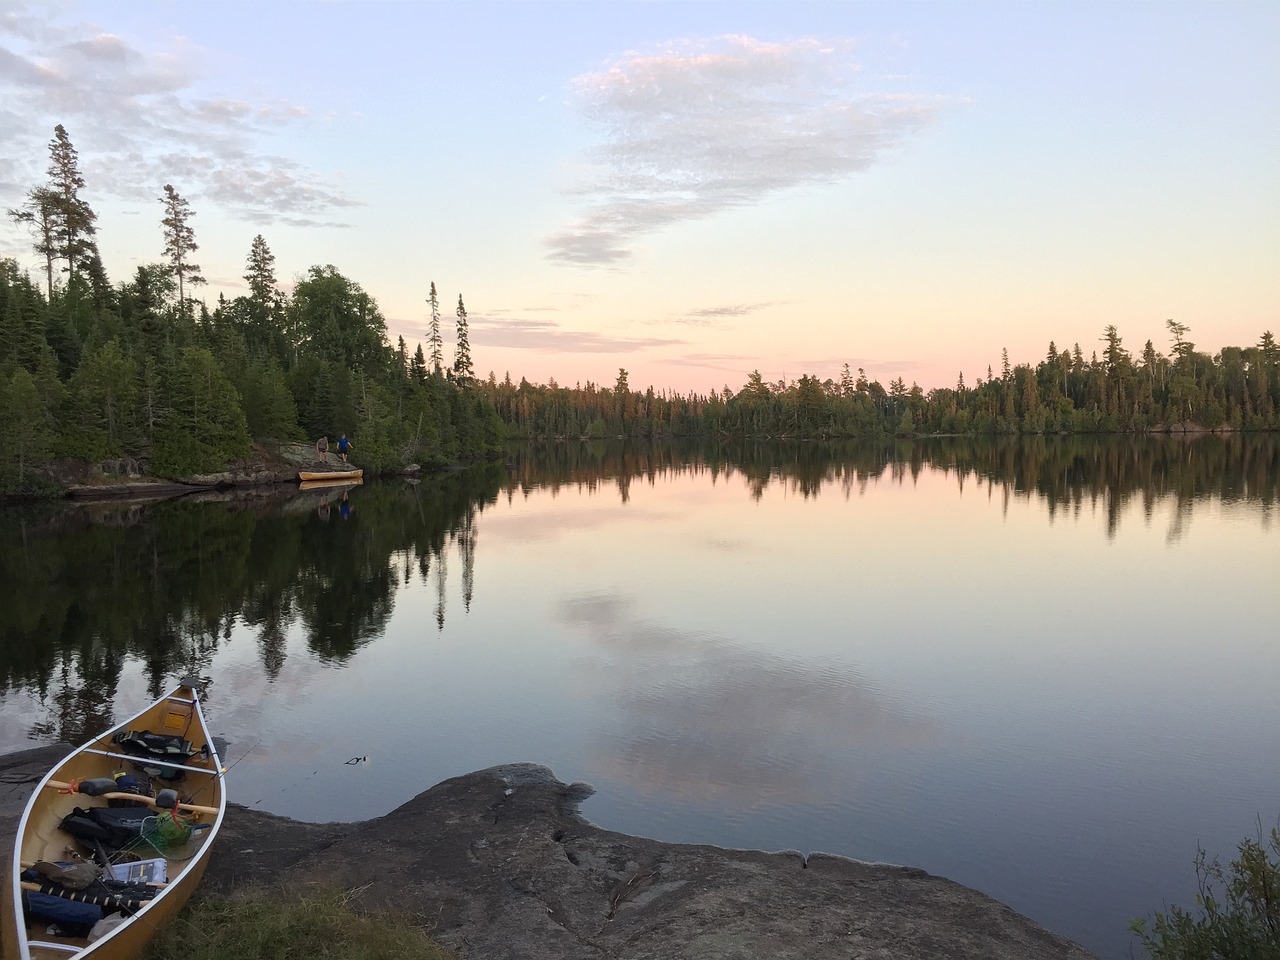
[343, 446]
[322, 449]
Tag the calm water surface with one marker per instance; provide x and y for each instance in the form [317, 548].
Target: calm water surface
[1044, 669]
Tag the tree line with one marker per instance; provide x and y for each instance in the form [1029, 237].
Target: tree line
[1117, 392]
[142, 373]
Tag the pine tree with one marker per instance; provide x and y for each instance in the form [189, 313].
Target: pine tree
[101, 405]
[203, 425]
[258, 314]
[180, 243]
[462, 369]
[269, 409]
[74, 218]
[1182, 348]
[22, 321]
[437, 345]
[260, 272]
[39, 214]
[1117, 356]
[30, 438]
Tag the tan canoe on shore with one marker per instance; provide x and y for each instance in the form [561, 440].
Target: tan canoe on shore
[310, 475]
[70, 893]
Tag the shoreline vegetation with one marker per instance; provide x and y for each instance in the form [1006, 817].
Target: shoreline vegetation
[139, 378]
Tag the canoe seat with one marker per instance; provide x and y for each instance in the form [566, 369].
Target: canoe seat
[158, 754]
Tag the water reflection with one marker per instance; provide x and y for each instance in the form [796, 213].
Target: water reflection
[1066, 473]
[93, 585]
[702, 719]
[87, 587]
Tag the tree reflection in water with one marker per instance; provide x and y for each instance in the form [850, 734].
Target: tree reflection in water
[87, 588]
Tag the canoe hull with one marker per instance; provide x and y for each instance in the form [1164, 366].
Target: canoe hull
[304, 475]
[40, 839]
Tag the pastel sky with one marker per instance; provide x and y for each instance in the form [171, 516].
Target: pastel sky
[691, 191]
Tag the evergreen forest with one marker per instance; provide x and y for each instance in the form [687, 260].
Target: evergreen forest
[1186, 390]
[141, 375]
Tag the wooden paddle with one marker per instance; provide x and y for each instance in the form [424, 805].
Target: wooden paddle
[186, 807]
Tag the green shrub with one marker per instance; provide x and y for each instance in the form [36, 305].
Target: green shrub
[1237, 914]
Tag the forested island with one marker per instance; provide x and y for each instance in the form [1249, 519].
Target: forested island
[142, 374]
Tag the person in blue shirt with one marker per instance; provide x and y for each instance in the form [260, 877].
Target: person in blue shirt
[343, 446]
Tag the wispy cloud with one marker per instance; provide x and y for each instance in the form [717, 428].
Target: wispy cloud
[725, 362]
[709, 316]
[546, 336]
[698, 127]
[138, 124]
[733, 310]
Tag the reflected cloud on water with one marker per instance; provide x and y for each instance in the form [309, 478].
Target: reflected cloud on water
[700, 718]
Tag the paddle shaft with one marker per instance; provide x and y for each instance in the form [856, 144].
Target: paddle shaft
[115, 901]
[187, 807]
[149, 883]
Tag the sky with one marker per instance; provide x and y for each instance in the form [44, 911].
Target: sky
[688, 191]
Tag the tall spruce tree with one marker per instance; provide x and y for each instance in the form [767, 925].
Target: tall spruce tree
[436, 344]
[462, 369]
[180, 243]
[260, 272]
[418, 366]
[263, 334]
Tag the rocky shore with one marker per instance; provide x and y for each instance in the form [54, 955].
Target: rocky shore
[499, 865]
[266, 464]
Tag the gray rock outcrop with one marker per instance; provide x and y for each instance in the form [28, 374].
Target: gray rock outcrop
[500, 865]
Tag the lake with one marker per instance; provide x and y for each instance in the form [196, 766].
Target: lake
[1044, 668]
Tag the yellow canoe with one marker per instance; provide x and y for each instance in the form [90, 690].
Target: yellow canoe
[304, 475]
[167, 743]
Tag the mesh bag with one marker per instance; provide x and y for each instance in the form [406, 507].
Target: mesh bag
[170, 835]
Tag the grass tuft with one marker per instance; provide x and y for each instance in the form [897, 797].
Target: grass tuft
[276, 925]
